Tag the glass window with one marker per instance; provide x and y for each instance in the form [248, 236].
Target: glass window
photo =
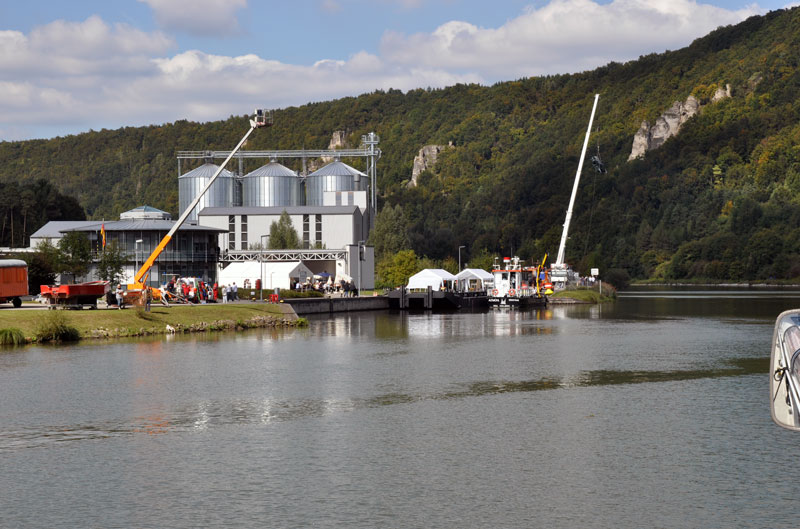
[244, 233]
[306, 236]
[231, 232]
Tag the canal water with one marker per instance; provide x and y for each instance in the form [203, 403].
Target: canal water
[649, 412]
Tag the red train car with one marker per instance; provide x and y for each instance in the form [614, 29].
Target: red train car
[13, 281]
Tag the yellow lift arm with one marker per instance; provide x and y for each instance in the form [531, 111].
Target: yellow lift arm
[261, 118]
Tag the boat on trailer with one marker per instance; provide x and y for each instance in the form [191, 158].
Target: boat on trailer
[518, 286]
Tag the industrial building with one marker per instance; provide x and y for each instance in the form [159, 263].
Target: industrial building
[193, 252]
[332, 209]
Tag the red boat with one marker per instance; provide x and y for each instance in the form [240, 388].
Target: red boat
[75, 296]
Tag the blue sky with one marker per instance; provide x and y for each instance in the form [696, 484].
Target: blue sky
[67, 67]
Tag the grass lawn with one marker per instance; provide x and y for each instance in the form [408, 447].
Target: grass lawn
[582, 294]
[132, 321]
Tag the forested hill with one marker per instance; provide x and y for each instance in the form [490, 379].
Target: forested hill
[720, 200]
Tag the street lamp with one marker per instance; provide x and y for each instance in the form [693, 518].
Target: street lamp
[136, 255]
[459, 257]
[361, 251]
[262, 267]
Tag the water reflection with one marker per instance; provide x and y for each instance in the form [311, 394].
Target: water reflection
[209, 414]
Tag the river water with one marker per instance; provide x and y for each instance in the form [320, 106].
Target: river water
[649, 412]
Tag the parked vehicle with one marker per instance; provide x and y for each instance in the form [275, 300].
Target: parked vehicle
[13, 281]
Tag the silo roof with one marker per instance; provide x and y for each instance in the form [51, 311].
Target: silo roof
[272, 169]
[206, 170]
[337, 168]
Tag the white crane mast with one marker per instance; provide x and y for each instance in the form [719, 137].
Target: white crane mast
[560, 258]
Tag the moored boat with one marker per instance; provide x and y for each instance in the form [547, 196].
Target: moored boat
[518, 286]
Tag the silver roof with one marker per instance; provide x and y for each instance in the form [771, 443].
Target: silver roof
[277, 210]
[54, 228]
[12, 263]
[272, 169]
[143, 225]
[206, 170]
[145, 212]
[337, 168]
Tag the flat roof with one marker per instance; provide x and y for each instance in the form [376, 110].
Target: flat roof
[277, 210]
[53, 229]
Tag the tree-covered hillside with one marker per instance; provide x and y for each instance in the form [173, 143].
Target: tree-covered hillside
[721, 200]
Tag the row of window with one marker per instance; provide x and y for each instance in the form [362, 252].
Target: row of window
[243, 243]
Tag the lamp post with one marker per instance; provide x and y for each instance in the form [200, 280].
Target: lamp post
[361, 249]
[136, 255]
[261, 268]
[459, 257]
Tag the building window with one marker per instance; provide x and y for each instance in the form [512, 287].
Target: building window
[306, 241]
[231, 232]
[318, 238]
[244, 232]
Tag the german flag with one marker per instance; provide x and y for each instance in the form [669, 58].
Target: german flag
[103, 234]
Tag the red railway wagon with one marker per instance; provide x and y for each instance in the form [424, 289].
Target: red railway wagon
[13, 281]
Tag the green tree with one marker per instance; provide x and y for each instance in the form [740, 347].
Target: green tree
[42, 265]
[390, 234]
[282, 235]
[75, 254]
[112, 261]
[394, 270]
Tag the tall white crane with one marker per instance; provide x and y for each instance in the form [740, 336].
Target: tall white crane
[559, 268]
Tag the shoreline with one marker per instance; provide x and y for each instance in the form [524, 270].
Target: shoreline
[130, 322]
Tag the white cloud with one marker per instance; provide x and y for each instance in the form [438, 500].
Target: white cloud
[562, 36]
[76, 75]
[198, 17]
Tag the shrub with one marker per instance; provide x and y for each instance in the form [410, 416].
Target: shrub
[54, 328]
[11, 336]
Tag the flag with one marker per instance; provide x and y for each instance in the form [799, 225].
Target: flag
[103, 233]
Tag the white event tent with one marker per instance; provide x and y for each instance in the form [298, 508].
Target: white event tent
[431, 277]
[473, 279]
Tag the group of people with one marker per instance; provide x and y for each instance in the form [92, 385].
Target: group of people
[342, 287]
[196, 291]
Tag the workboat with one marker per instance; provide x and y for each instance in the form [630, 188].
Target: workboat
[784, 371]
[519, 286]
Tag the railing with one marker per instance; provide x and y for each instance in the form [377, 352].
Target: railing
[232, 256]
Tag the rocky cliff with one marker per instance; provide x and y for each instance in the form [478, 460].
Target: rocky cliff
[669, 123]
[423, 161]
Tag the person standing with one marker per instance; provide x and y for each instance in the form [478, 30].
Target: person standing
[148, 296]
[120, 298]
[224, 294]
[235, 295]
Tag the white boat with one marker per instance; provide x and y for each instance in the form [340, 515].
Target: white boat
[519, 286]
[784, 384]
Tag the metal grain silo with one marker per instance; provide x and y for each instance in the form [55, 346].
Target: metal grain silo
[336, 176]
[272, 185]
[190, 184]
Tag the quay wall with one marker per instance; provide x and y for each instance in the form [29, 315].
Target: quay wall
[303, 306]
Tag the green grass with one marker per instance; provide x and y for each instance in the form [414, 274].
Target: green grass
[131, 321]
[589, 295]
[11, 336]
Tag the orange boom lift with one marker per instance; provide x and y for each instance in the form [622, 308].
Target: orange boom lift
[261, 118]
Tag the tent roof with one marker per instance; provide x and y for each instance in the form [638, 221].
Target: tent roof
[432, 277]
[477, 273]
[286, 267]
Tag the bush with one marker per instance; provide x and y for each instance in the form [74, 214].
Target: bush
[11, 336]
[618, 277]
[54, 328]
[287, 294]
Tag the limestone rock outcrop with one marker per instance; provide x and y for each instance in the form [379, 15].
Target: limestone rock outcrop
[424, 160]
[670, 122]
[666, 126]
